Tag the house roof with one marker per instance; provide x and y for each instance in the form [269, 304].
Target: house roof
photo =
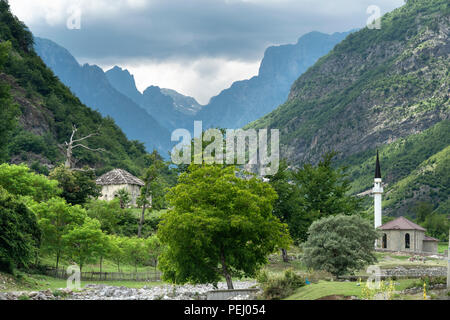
[118, 177]
[401, 223]
[427, 238]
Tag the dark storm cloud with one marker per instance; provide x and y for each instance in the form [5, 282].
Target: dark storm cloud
[192, 29]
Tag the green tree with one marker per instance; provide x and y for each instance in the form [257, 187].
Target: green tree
[321, 191]
[9, 110]
[86, 243]
[286, 204]
[218, 225]
[56, 218]
[108, 213]
[422, 210]
[151, 193]
[437, 226]
[77, 186]
[154, 249]
[21, 181]
[117, 250]
[136, 251]
[124, 198]
[339, 244]
[19, 233]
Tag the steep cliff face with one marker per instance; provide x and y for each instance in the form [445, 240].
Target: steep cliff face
[248, 100]
[375, 88]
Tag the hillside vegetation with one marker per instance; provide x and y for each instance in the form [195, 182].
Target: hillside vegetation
[47, 110]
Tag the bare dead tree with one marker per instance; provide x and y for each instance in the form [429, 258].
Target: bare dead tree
[76, 143]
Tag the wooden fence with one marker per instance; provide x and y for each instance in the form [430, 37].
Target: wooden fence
[151, 276]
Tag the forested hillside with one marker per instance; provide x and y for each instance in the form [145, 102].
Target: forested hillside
[38, 112]
[379, 89]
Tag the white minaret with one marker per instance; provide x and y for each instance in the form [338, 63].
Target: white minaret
[377, 192]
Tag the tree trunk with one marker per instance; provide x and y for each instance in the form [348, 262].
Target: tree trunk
[284, 255]
[225, 271]
[144, 206]
[68, 162]
[141, 221]
[101, 262]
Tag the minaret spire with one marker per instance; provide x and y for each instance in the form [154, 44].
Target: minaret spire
[378, 168]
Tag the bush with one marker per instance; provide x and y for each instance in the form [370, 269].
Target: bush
[19, 233]
[280, 287]
[340, 244]
[429, 280]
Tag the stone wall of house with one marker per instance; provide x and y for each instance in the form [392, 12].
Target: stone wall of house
[396, 240]
[109, 192]
[430, 246]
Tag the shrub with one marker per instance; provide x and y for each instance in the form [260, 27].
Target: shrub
[19, 233]
[280, 287]
[340, 244]
[429, 280]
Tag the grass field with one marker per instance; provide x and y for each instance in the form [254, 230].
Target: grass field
[323, 289]
[442, 246]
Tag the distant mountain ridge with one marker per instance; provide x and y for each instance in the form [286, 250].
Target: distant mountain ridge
[171, 109]
[243, 102]
[92, 86]
[248, 100]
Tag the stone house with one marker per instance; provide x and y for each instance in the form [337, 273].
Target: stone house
[406, 236]
[116, 180]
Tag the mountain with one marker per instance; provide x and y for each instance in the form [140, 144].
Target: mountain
[46, 111]
[92, 86]
[243, 102]
[374, 89]
[184, 104]
[171, 109]
[248, 100]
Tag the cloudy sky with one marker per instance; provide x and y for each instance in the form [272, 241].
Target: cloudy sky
[197, 47]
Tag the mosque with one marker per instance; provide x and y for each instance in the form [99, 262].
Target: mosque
[400, 234]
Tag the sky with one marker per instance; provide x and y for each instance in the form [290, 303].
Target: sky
[197, 47]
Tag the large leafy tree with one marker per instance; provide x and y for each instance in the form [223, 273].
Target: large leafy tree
[286, 204]
[321, 191]
[108, 213]
[19, 233]
[86, 243]
[117, 250]
[152, 194]
[218, 225]
[56, 218]
[136, 251]
[21, 181]
[340, 244]
[77, 186]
